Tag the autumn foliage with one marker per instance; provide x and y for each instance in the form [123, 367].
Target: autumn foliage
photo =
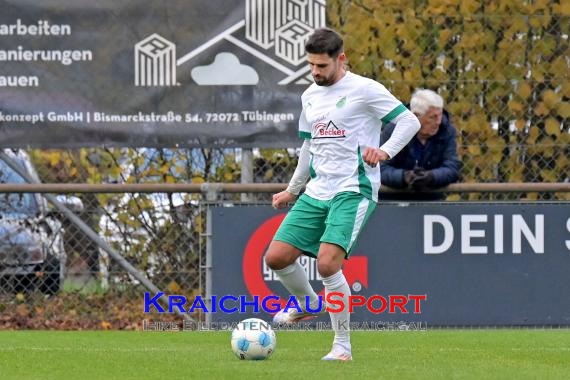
[501, 65]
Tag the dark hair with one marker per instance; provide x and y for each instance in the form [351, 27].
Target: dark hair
[324, 40]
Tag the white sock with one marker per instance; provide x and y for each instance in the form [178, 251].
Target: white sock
[340, 321]
[296, 282]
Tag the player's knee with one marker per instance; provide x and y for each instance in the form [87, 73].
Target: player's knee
[327, 267]
[276, 259]
[280, 255]
[272, 260]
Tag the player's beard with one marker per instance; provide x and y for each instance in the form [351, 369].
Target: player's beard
[327, 81]
[324, 81]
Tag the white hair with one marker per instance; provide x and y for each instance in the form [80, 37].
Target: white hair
[423, 99]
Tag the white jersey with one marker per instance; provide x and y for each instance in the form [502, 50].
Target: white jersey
[342, 120]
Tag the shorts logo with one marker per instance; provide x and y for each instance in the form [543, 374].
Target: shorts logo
[328, 131]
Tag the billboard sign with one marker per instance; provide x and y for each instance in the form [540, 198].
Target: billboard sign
[477, 264]
[154, 73]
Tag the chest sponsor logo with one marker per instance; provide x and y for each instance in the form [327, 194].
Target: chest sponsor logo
[328, 130]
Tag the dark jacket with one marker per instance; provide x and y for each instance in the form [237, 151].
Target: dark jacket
[440, 156]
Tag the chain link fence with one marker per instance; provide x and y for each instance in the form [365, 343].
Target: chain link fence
[502, 68]
[50, 267]
[277, 166]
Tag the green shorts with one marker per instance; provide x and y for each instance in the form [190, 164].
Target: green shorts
[338, 221]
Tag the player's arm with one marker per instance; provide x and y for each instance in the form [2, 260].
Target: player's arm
[407, 125]
[383, 105]
[298, 180]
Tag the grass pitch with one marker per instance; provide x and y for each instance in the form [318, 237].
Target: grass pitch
[435, 354]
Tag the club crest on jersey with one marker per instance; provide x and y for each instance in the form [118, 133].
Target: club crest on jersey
[328, 131]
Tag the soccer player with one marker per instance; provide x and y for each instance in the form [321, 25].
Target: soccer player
[340, 123]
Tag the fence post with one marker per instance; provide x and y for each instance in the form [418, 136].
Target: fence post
[246, 171]
[211, 192]
[208, 267]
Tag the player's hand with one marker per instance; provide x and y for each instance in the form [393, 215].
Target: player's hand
[281, 199]
[372, 156]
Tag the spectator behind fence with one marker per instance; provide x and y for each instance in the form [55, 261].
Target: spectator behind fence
[429, 161]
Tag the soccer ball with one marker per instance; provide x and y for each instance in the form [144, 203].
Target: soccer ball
[253, 339]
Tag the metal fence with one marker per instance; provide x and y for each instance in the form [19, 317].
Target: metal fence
[51, 265]
[273, 166]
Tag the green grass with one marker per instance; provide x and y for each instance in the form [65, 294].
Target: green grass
[435, 354]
